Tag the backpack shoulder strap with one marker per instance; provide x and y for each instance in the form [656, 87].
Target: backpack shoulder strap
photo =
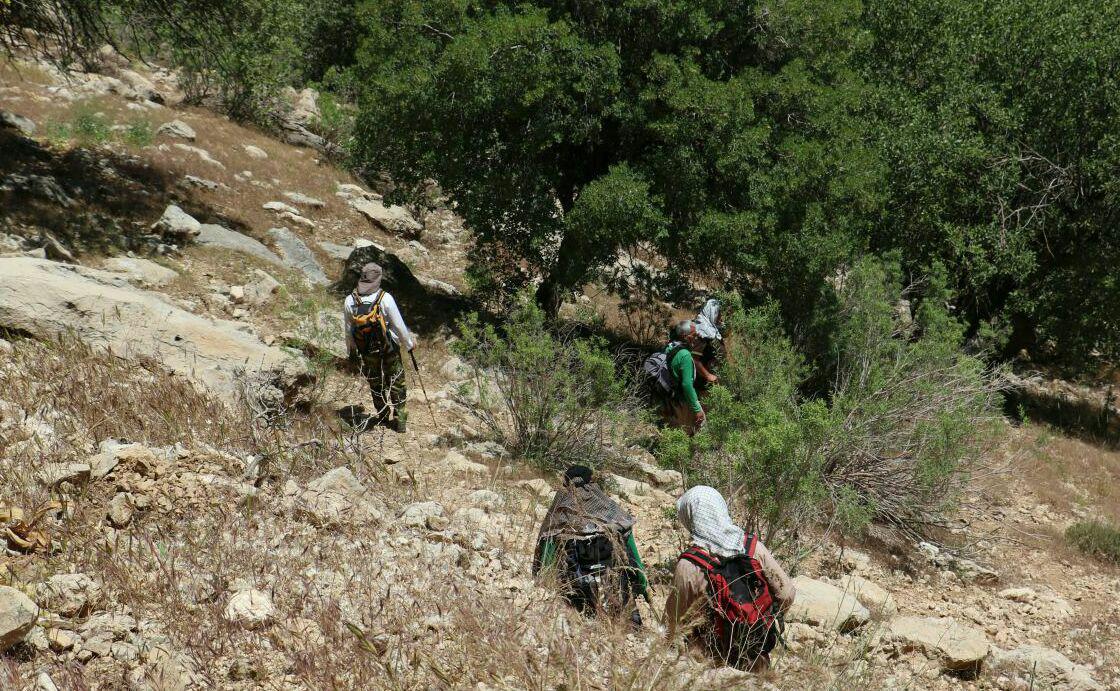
[700, 558]
[750, 544]
[380, 294]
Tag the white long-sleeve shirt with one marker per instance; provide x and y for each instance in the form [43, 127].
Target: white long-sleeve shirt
[397, 330]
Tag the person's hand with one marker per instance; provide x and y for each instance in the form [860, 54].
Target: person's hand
[712, 379]
[700, 417]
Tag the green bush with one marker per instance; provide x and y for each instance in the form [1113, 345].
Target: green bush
[1096, 539]
[907, 418]
[138, 133]
[552, 400]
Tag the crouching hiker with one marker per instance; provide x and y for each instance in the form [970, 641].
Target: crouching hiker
[587, 540]
[728, 589]
[375, 334]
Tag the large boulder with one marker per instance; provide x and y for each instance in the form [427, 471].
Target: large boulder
[870, 594]
[298, 256]
[391, 219]
[177, 224]
[17, 616]
[956, 646]
[211, 235]
[47, 299]
[177, 128]
[1046, 666]
[823, 604]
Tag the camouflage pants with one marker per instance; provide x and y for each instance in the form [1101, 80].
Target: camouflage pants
[385, 374]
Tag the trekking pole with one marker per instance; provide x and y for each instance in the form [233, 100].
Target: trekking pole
[421, 380]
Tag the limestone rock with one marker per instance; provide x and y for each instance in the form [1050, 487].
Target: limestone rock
[279, 207]
[298, 220]
[48, 299]
[419, 514]
[55, 474]
[391, 219]
[211, 235]
[255, 152]
[297, 255]
[823, 604]
[870, 594]
[17, 616]
[262, 289]
[459, 463]
[1023, 595]
[177, 224]
[662, 478]
[337, 498]
[488, 500]
[968, 571]
[177, 128]
[305, 200]
[250, 608]
[141, 271]
[537, 486]
[203, 154]
[1049, 668]
[167, 670]
[10, 119]
[958, 647]
[120, 510]
[69, 594]
[195, 181]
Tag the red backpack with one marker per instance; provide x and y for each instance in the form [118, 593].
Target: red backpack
[744, 625]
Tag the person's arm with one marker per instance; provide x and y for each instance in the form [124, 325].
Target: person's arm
[346, 315]
[688, 596]
[682, 366]
[637, 565]
[708, 376]
[396, 322]
[782, 588]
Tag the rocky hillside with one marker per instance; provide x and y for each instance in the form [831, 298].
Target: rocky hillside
[182, 505]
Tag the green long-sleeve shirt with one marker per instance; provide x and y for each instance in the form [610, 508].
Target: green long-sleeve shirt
[548, 552]
[684, 370]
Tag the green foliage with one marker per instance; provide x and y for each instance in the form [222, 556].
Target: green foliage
[1096, 539]
[553, 400]
[138, 133]
[905, 424]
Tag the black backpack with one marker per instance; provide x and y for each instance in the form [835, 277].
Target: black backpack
[594, 577]
[368, 326]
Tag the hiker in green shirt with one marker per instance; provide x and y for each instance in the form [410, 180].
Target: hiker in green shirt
[687, 408]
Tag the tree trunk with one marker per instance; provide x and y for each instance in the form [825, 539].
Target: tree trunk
[550, 294]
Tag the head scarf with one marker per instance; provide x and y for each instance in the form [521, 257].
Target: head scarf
[707, 322]
[581, 508]
[703, 512]
[370, 281]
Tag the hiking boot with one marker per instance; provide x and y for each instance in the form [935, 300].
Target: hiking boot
[400, 425]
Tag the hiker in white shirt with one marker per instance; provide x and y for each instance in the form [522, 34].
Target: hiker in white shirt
[375, 335]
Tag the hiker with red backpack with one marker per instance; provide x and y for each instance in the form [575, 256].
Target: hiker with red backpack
[728, 589]
[375, 335]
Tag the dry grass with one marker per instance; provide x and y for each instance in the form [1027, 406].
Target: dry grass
[1068, 473]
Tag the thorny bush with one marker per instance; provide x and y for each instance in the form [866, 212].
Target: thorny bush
[552, 399]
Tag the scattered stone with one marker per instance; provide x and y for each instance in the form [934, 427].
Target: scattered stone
[261, 290]
[854, 560]
[24, 125]
[201, 153]
[143, 271]
[632, 491]
[168, 670]
[537, 486]
[250, 608]
[966, 569]
[1048, 668]
[460, 464]
[298, 256]
[212, 235]
[17, 616]
[139, 86]
[419, 514]
[662, 478]
[43, 682]
[455, 369]
[61, 640]
[203, 183]
[69, 594]
[392, 219]
[347, 190]
[55, 474]
[279, 207]
[255, 152]
[177, 224]
[56, 250]
[177, 128]
[871, 595]
[304, 200]
[488, 500]
[298, 220]
[237, 294]
[337, 498]
[6, 347]
[120, 510]
[957, 647]
[1024, 595]
[335, 251]
[823, 604]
